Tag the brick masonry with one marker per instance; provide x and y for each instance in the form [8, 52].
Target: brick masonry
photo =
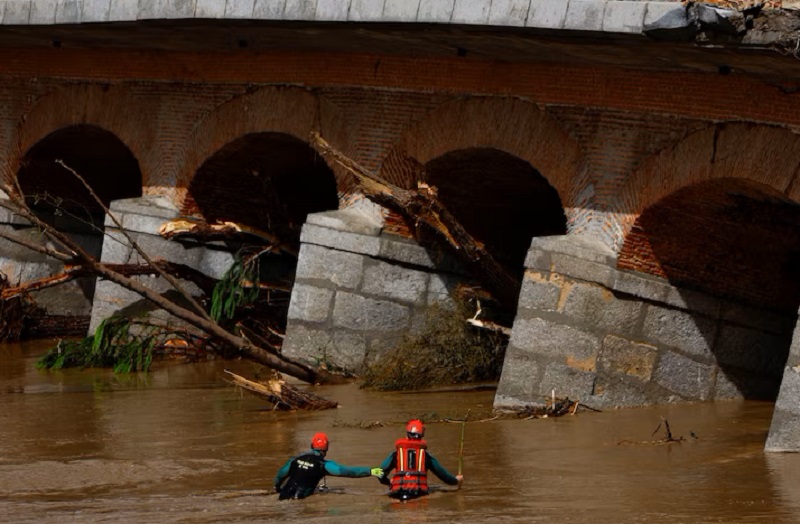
[625, 150]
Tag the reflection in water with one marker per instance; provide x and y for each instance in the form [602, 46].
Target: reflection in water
[180, 445]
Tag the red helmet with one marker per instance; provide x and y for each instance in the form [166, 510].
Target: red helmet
[415, 428]
[319, 442]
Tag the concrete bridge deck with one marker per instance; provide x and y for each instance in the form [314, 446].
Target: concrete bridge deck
[624, 16]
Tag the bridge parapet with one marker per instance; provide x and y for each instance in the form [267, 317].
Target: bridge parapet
[615, 16]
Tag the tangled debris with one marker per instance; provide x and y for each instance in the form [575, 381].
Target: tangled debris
[448, 350]
[666, 439]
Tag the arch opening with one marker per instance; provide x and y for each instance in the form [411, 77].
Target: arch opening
[269, 181]
[737, 240]
[58, 197]
[499, 198]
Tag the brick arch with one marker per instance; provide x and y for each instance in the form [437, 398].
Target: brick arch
[109, 108]
[292, 111]
[513, 126]
[762, 154]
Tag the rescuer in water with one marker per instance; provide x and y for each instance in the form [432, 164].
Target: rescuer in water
[412, 461]
[303, 472]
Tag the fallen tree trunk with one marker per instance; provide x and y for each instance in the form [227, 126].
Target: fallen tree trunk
[422, 207]
[75, 256]
[281, 395]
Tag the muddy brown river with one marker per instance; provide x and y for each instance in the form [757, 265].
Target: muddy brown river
[181, 445]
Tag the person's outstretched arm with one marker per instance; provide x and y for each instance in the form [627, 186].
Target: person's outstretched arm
[388, 463]
[338, 470]
[440, 471]
[283, 473]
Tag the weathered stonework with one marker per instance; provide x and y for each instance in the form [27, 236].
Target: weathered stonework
[357, 292]
[142, 218]
[784, 432]
[609, 337]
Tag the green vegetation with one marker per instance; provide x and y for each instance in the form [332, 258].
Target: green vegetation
[113, 345]
[446, 351]
[239, 286]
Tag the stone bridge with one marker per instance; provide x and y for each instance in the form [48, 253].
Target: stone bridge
[636, 161]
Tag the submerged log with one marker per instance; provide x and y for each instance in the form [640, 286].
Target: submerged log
[281, 395]
[422, 207]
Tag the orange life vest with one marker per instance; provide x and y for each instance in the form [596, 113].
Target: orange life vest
[411, 478]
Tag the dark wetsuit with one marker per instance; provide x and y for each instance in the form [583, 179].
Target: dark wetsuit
[404, 493]
[305, 471]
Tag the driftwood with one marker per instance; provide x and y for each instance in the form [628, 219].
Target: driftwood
[197, 229]
[667, 439]
[13, 313]
[487, 324]
[281, 395]
[421, 206]
[72, 272]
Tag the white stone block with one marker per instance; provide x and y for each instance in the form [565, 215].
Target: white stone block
[269, 9]
[95, 10]
[209, 9]
[17, 12]
[181, 8]
[68, 12]
[547, 14]
[299, 9]
[624, 17]
[400, 10]
[435, 11]
[120, 10]
[43, 12]
[585, 15]
[332, 10]
[470, 12]
[509, 12]
[165, 9]
[239, 8]
[367, 11]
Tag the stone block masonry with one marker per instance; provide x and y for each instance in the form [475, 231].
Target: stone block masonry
[609, 337]
[357, 292]
[142, 218]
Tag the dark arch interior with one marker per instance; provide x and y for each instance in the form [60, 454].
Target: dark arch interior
[732, 238]
[98, 156]
[269, 181]
[499, 198]
[740, 241]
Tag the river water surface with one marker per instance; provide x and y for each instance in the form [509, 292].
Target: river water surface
[181, 445]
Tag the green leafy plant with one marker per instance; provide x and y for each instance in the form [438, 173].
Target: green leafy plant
[239, 286]
[112, 345]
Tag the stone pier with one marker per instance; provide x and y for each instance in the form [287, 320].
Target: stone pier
[358, 292]
[784, 432]
[614, 338]
[142, 218]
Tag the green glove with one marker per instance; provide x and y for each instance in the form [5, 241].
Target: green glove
[376, 472]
